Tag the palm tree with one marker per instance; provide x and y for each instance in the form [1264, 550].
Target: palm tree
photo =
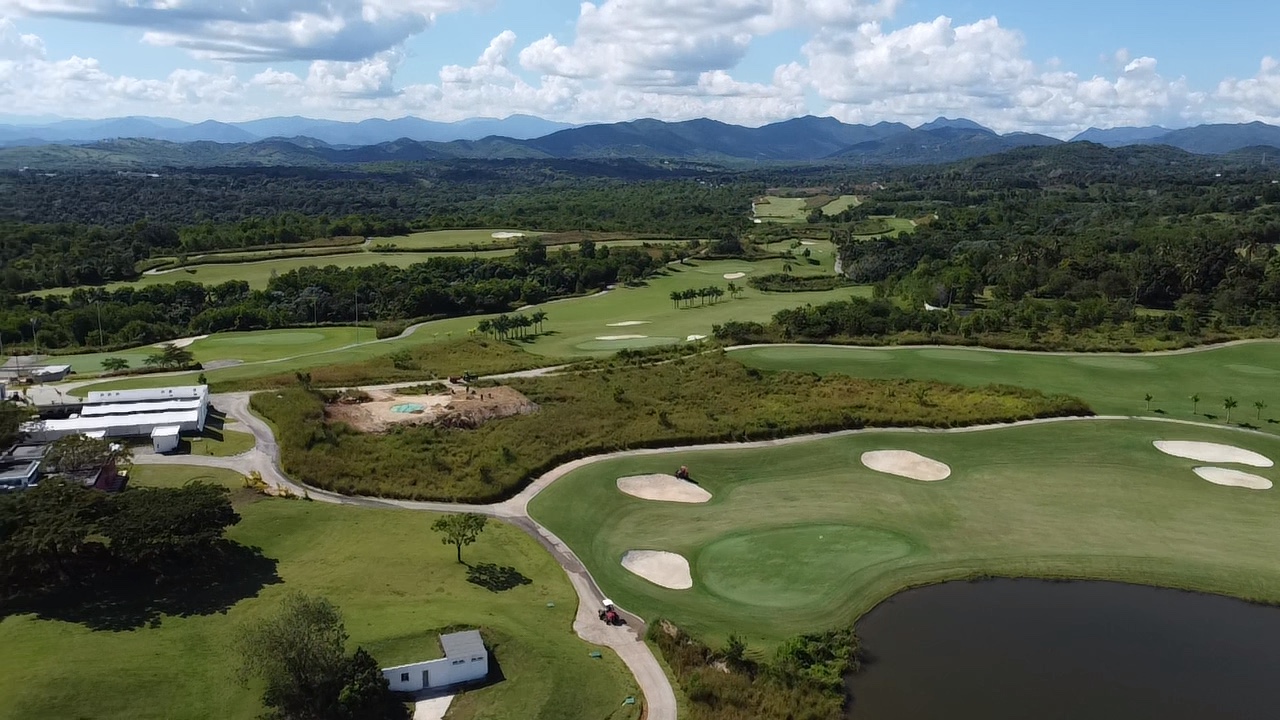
[786, 268]
[1260, 405]
[484, 326]
[733, 291]
[1229, 404]
[675, 298]
[1195, 403]
[1149, 399]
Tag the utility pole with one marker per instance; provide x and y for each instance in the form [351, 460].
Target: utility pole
[97, 303]
[357, 314]
[34, 340]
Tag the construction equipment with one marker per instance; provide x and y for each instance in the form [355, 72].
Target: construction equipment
[683, 472]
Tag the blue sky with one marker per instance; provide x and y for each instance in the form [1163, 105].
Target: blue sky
[1054, 67]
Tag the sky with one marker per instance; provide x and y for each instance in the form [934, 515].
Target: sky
[1048, 66]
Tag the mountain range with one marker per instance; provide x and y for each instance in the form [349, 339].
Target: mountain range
[302, 142]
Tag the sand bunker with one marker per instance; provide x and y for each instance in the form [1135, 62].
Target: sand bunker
[1233, 478]
[622, 337]
[907, 464]
[664, 569]
[507, 235]
[695, 338]
[734, 276]
[665, 488]
[808, 242]
[184, 342]
[628, 323]
[1213, 453]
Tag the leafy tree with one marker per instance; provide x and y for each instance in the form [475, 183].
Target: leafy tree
[1229, 404]
[45, 535]
[155, 528]
[80, 453]
[459, 529]
[115, 364]
[299, 653]
[12, 417]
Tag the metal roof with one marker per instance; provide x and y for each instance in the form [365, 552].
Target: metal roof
[136, 408]
[186, 392]
[109, 422]
[167, 431]
[467, 643]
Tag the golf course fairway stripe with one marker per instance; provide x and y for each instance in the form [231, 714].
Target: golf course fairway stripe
[1233, 478]
[663, 569]
[1213, 453]
[907, 464]
[663, 488]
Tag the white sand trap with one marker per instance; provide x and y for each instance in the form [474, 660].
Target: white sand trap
[1213, 453]
[184, 342]
[907, 464]
[1233, 478]
[664, 569]
[666, 488]
[734, 276]
[695, 338]
[506, 235]
[622, 337]
[808, 242]
[628, 323]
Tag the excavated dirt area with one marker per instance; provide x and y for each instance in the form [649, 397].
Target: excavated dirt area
[461, 407]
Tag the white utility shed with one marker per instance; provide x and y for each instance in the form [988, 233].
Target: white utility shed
[465, 660]
[165, 439]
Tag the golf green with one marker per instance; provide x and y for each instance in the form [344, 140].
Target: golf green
[1111, 384]
[802, 536]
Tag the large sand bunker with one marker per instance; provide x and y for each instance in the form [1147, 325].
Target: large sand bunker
[734, 276]
[664, 569]
[666, 488]
[622, 337]
[1212, 453]
[507, 235]
[907, 464]
[1233, 478]
[628, 323]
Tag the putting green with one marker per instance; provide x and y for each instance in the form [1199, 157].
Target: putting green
[1111, 384]
[801, 536]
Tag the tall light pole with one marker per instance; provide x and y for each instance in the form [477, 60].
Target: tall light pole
[34, 340]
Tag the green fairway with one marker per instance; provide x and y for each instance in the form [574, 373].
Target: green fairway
[574, 325]
[220, 443]
[397, 587]
[780, 209]
[1111, 384]
[169, 476]
[840, 204]
[243, 346]
[803, 537]
[438, 239]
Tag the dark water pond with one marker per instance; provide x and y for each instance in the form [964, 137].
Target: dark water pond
[1031, 649]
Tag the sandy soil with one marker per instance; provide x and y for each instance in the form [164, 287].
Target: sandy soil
[458, 408]
[184, 342]
[734, 276]
[695, 338]
[628, 323]
[507, 235]
[432, 708]
[622, 337]
[1213, 453]
[666, 488]
[1233, 478]
[907, 464]
[664, 569]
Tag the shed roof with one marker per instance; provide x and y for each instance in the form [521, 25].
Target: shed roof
[110, 422]
[467, 643]
[134, 408]
[168, 431]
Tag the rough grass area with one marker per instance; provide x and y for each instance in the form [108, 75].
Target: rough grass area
[482, 356]
[395, 597]
[807, 537]
[780, 209]
[703, 399]
[1111, 384]
[455, 239]
[840, 204]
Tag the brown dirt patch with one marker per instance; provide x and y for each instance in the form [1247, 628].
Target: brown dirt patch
[460, 407]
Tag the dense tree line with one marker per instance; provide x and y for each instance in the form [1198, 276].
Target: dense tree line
[442, 286]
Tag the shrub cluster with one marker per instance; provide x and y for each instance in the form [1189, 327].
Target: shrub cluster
[704, 399]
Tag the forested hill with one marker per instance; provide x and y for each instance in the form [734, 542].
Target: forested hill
[807, 139]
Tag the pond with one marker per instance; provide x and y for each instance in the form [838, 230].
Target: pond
[1034, 649]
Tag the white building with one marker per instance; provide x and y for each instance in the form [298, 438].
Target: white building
[161, 414]
[465, 660]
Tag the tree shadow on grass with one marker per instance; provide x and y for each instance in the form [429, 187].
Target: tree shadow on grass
[129, 599]
[495, 578]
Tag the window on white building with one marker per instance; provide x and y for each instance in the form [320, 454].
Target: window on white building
[404, 677]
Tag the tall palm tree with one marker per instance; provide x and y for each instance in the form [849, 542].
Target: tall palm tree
[733, 290]
[676, 297]
[1229, 404]
[1260, 405]
[1195, 403]
[1149, 398]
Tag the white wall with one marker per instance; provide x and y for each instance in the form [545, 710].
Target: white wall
[440, 673]
[164, 443]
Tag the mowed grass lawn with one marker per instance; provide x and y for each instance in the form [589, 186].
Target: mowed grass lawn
[437, 239]
[257, 346]
[1111, 384]
[574, 324]
[780, 209]
[840, 204]
[396, 585]
[802, 537]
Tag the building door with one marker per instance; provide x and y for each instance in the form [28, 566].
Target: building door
[425, 682]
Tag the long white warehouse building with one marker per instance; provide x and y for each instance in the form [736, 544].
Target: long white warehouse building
[162, 414]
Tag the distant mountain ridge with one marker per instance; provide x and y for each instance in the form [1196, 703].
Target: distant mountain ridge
[799, 140]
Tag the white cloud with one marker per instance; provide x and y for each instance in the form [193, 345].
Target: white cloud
[1255, 98]
[259, 30]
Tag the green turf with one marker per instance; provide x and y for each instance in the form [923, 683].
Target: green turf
[244, 346]
[221, 443]
[780, 209]
[438, 239]
[803, 537]
[396, 585]
[574, 324]
[170, 476]
[840, 204]
[1111, 384]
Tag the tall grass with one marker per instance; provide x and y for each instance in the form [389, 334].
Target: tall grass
[704, 399]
